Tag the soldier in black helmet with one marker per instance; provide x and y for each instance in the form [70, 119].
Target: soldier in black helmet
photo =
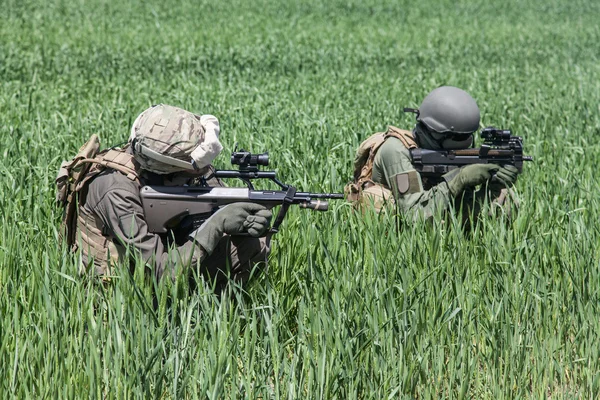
[384, 174]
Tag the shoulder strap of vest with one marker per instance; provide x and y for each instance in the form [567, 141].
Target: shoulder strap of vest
[74, 175]
[366, 171]
[406, 137]
[117, 159]
[363, 175]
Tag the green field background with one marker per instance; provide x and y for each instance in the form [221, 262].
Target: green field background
[351, 308]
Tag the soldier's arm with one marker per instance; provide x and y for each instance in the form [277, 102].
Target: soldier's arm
[120, 209]
[398, 174]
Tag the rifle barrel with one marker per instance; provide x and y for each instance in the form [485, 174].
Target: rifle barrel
[321, 195]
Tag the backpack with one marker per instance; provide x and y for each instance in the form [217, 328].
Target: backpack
[74, 174]
[365, 156]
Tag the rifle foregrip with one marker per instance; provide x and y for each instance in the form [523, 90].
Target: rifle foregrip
[317, 205]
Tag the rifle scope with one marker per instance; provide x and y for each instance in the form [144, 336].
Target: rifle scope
[491, 134]
[246, 159]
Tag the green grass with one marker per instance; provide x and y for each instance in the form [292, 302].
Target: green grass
[350, 307]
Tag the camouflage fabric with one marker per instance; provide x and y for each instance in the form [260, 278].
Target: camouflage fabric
[79, 229]
[168, 139]
[500, 201]
[236, 258]
[377, 197]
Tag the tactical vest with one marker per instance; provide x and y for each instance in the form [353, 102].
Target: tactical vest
[80, 229]
[362, 189]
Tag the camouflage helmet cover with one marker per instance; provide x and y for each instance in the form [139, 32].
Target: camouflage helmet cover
[449, 109]
[168, 139]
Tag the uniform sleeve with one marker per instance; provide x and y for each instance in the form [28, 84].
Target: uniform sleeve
[392, 164]
[123, 216]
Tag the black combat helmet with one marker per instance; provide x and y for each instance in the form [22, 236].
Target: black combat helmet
[449, 110]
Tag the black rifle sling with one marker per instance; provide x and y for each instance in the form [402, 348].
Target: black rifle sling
[287, 201]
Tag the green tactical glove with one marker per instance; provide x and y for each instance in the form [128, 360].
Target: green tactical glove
[506, 175]
[469, 176]
[258, 223]
[233, 219]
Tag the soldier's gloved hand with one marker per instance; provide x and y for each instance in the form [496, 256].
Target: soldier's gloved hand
[506, 175]
[233, 219]
[469, 176]
[258, 223]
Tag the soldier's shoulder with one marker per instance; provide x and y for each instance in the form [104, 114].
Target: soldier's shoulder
[399, 131]
[110, 180]
[393, 147]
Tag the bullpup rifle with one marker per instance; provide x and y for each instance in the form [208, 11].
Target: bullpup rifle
[184, 208]
[499, 147]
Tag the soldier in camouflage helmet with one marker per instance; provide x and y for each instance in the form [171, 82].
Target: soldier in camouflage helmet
[384, 174]
[167, 145]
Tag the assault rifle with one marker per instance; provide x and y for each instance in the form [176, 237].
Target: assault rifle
[499, 147]
[184, 208]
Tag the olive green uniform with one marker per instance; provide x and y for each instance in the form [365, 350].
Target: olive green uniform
[393, 163]
[392, 168]
[115, 202]
[104, 219]
[384, 175]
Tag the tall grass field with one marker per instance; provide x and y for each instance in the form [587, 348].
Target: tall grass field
[352, 306]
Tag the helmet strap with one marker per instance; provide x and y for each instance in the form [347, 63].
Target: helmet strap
[412, 110]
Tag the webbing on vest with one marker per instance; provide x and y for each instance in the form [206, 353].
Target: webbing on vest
[366, 172]
[94, 245]
[115, 159]
[80, 230]
[363, 168]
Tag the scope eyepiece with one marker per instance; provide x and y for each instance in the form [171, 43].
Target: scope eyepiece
[245, 159]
